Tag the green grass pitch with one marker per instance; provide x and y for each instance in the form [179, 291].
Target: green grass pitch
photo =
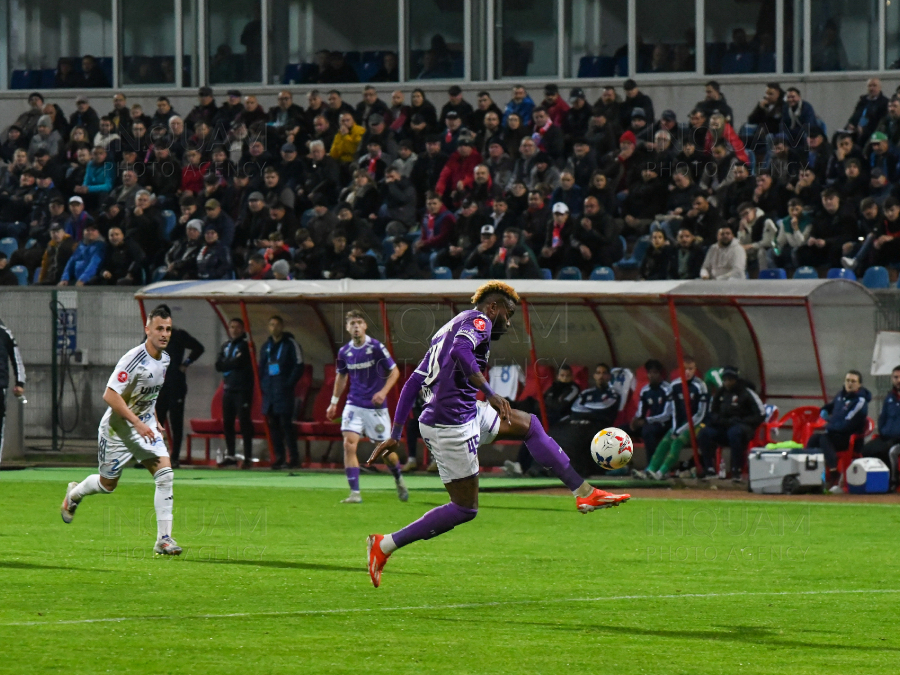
[273, 580]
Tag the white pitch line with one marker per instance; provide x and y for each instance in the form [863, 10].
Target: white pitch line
[466, 605]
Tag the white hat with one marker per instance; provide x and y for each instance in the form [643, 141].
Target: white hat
[76, 198]
[194, 224]
[560, 207]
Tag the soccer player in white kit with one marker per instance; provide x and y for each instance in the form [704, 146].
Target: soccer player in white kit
[130, 429]
[372, 373]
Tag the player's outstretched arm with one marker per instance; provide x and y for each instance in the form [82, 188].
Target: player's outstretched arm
[114, 400]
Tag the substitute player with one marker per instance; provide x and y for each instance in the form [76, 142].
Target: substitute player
[130, 429]
[372, 374]
[454, 424]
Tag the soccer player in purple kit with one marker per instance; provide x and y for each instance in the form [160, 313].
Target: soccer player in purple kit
[372, 373]
[454, 423]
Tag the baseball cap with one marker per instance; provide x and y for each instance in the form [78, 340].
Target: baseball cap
[233, 92]
[76, 199]
[212, 204]
[282, 267]
[375, 118]
[729, 371]
[487, 229]
[669, 115]
[878, 137]
[81, 99]
[56, 226]
[638, 112]
[576, 93]
[452, 115]
[454, 91]
[205, 91]
[560, 207]
[289, 147]
[464, 142]
[194, 224]
[256, 197]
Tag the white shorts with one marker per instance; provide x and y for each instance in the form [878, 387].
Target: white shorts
[373, 423]
[118, 445]
[455, 448]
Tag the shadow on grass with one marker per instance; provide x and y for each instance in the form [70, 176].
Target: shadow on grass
[17, 565]
[748, 634]
[291, 565]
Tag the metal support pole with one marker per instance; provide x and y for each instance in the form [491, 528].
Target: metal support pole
[179, 44]
[812, 332]
[247, 325]
[545, 420]
[54, 330]
[779, 36]
[685, 389]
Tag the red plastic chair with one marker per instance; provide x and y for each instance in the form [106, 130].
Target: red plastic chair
[804, 421]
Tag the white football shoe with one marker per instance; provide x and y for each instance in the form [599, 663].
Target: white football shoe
[67, 510]
[354, 498]
[165, 545]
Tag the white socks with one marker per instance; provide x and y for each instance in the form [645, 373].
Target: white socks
[584, 491]
[387, 544]
[89, 486]
[163, 501]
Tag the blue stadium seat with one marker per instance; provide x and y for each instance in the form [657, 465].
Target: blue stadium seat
[752, 157]
[170, 220]
[876, 277]
[30, 243]
[622, 66]
[291, 74]
[358, 67]
[806, 272]
[352, 57]
[9, 245]
[48, 78]
[546, 274]
[442, 273]
[606, 66]
[586, 66]
[37, 276]
[158, 274]
[766, 63]
[715, 51]
[468, 274]
[368, 70]
[373, 56]
[821, 124]
[840, 273]
[602, 273]
[637, 256]
[25, 79]
[569, 274]
[21, 274]
[775, 273]
[738, 63]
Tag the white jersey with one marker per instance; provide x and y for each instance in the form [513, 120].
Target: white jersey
[505, 380]
[138, 377]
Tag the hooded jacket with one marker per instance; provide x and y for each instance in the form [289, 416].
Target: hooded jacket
[280, 367]
[847, 412]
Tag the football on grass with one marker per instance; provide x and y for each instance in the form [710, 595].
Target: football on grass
[611, 448]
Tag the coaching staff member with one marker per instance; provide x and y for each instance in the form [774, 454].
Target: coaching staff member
[9, 353]
[236, 367]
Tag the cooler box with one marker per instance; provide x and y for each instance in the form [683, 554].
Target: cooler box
[868, 475]
[780, 472]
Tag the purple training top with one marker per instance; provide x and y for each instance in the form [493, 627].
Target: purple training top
[368, 366]
[449, 396]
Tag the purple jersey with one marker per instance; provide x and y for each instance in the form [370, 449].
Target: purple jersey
[369, 366]
[449, 396]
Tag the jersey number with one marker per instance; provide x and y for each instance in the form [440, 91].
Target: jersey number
[434, 362]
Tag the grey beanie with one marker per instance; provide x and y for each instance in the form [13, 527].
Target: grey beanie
[281, 267]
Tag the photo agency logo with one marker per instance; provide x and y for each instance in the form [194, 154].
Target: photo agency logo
[746, 533]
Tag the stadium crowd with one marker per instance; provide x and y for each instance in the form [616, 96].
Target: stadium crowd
[407, 188]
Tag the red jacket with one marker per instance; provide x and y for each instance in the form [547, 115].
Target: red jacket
[557, 111]
[442, 230]
[192, 177]
[734, 141]
[458, 168]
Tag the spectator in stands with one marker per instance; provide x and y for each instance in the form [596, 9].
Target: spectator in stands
[703, 219]
[163, 114]
[832, 235]
[337, 70]
[27, 121]
[756, 233]
[322, 176]
[144, 224]
[234, 362]
[437, 229]
[457, 104]
[515, 259]
[85, 116]
[886, 446]
[734, 413]
[524, 163]
[421, 106]
[883, 157]
[286, 118]
[14, 141]
[482, 256]
[7, 278]
[92, 76]
[78, 219]
[793, 232]
[577, 118]
[402, 262]
[520, 104]
[258, 269]
[634, 98]
[594, 408]
[280, 368]
[388, 71]
[846, 414]
[56, 256]
[687, 258]
[458, 173]
[543, 173]
[485, 105]
[112, 215]
[361, 264]
[398, 199]
[46, 138]
[844, 150]
[871, 108]
[548, 137]
[797, 116]
[214, 259]
[85, 261]
[554, 104]
[181, 258]
[556, 238]
[204, 111]
[890, 123]
[335, 261]
[768, 195]
[714, 102]
[98, 179]
[372, 105]
[657, 259]
[307, 259]
[347, 139]
[123, 261]
[726, 259]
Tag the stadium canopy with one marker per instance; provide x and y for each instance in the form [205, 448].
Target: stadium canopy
[792, 339]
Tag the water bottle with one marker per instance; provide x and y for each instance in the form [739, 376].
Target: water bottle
[22, 398]
[722, 473]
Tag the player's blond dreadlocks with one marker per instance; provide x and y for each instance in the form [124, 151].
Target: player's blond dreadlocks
[495, 288]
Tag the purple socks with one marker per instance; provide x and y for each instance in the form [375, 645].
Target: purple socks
[437, 521]
[548, 454]
[353, 477]
[395, 470]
